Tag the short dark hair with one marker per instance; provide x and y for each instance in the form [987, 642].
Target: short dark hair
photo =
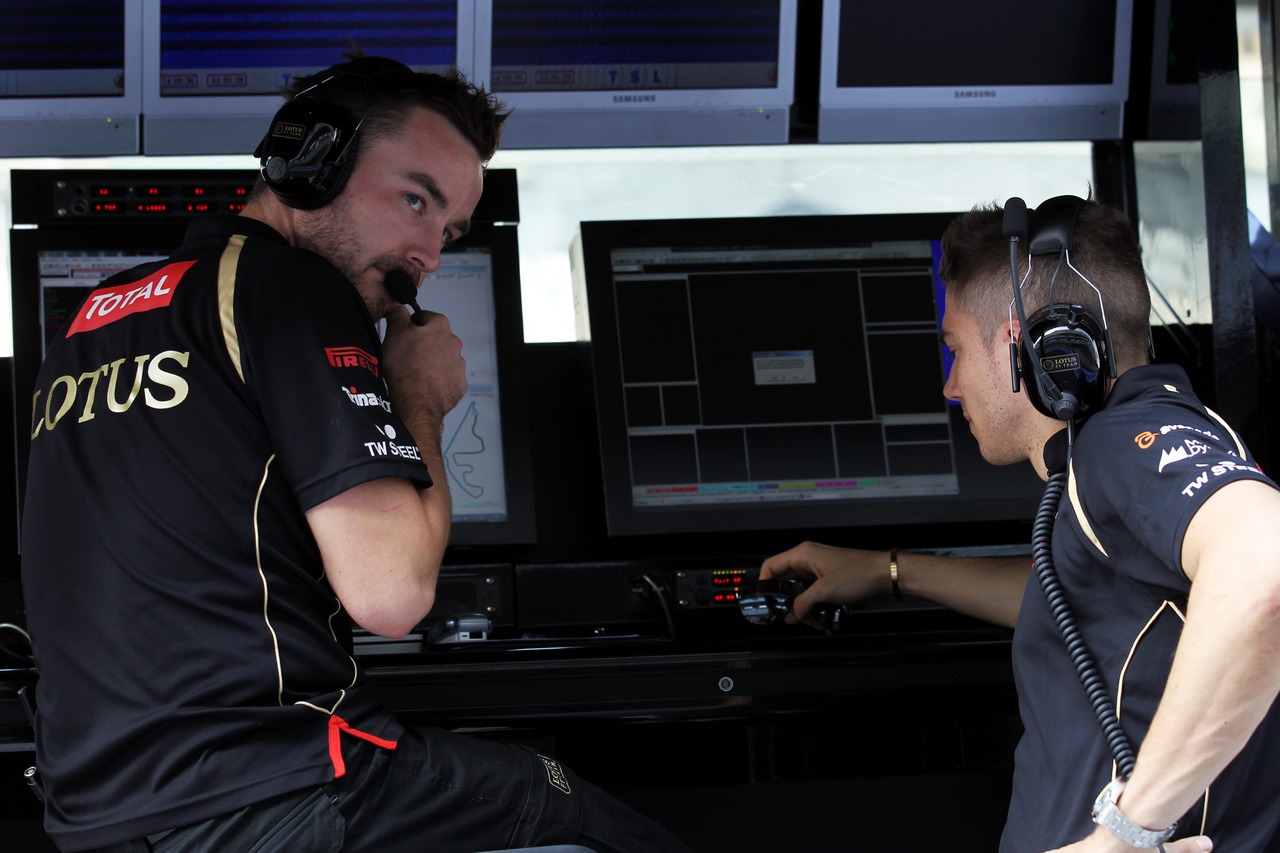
[975, 267]
[379, 93]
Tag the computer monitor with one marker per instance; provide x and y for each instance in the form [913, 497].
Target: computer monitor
[70, 77]
[991, 70]
[213, 72]
[596, 73]
[132, 217]
[779, 373]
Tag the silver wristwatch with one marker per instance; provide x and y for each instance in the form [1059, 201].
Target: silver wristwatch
[1108, 815]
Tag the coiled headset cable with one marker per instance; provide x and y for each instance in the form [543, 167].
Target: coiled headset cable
[1086, 668]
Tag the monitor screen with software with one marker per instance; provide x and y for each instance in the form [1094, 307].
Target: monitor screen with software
[595, 73]
[779, 373]
[992, 70]
[70, 77]
[213, 72]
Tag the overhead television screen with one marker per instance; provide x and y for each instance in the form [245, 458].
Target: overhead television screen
[989, 70]
[214, 71]
[70, 77]
[598, 73]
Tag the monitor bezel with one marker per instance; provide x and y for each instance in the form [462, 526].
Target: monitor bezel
[100, 125]
[1010, 495]
[227, 124]
[1004, 113]
[633, 117]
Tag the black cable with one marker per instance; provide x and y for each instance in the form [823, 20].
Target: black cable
[1094, 687]
[660, 592]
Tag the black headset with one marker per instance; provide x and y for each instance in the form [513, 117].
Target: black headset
[310, 149]
[1064, 350]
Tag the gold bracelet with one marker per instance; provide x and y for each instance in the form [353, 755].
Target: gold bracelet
[893, 574]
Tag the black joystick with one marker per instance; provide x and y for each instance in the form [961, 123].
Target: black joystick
[404, 289]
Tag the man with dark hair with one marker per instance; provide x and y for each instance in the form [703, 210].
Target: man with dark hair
[250, 470]
[1165, 548]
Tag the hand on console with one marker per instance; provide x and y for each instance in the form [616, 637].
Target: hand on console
[828, 577]
[774, 600]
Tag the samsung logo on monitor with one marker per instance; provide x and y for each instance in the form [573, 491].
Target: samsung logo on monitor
[969, 94]
[635, 99]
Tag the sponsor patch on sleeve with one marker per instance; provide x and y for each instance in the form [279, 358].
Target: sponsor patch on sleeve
[351, 357]
[108, 304]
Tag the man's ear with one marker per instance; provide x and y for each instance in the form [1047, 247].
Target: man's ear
[1010, 331]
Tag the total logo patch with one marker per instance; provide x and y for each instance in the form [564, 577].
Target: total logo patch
[108, 304]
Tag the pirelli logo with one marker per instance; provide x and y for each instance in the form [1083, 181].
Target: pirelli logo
[289, 130]
[351, 357]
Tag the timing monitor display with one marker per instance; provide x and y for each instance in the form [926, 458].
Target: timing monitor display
[943, 71]
[67, 276]
[596, 45]
[462, 290]
[60, 48]
[257, 48]
[784, 372]
[599, 73]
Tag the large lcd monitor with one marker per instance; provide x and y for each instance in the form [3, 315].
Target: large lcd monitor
[129, 218]
[987, 70]
[213, 72]
[598, 73]
[779, 373]
[70, 77]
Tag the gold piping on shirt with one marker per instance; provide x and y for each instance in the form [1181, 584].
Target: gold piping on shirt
[266, 591]
[226, 298]
[1074, 496]
[1133, 649]
[227, 265]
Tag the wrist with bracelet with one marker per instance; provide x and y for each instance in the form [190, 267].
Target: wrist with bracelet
[1107, 814]
[893, 574]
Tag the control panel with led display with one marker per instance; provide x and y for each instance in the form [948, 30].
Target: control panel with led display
[698, 589]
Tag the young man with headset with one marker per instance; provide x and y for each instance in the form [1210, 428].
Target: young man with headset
[203, 424]
[1162, 563]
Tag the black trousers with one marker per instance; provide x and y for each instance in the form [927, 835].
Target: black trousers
[437, 792]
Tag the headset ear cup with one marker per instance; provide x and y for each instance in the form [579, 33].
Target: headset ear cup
[308, 152]
[1069, 343]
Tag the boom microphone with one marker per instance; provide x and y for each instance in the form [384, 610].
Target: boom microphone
[404, 290]
[1063, 404]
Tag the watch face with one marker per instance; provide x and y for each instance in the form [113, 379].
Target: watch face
[1106, 796]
